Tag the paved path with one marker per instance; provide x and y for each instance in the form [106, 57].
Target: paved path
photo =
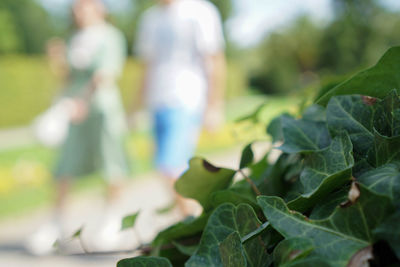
[147, 194]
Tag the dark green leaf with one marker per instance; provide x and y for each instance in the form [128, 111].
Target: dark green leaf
[351, 114]
[247, 157]
[303, 136]
[234, 196]
[308, 262]
[384, 180]
[325, 171]
[225, 220]
[275, 129]
[232, 252]
[292, 249]
[201, 180]
[315, 113]
[386, 149]
[377, 81]
[340, 236]
[257, 169]
[129, 221]
[186, 249]
[387, 116]
[186, 228]
[389, 231]
[325, 207]
[143, 261]
[255, 233]
[273, 179]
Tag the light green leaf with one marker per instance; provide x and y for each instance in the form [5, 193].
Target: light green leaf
[292, 249]
[77, 233]
[377, 81]
[145, 261]
[129, 221]
[389, 231]
[351, 114]
[201, 180]
[232, 252]
[225, 220]
[384, 180]
[302, 136]
[324, 172]
[247, 157]
[340, 236]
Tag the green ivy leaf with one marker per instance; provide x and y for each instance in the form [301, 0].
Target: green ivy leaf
[385, 150]
[315, 113]
[234, 196]
[387, 115]
[186, 228]
[129, 221]
[307, 262]
[377, 81]
[389, 231]
[274, 129]
[201, 180]
[325, 207]
[384, 180]
[273, 181]
[184, 249]
[325, 171]
[292, 249]
[247, 157]
[351, 114]
[302, 136]
[225, 220]
[340, 236]
[145, 261]
[232, 252]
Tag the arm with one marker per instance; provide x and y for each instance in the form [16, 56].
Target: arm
[216, 69]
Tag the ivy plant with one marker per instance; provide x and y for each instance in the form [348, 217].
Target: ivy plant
[331, 198]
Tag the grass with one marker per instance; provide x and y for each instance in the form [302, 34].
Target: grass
[25, 174]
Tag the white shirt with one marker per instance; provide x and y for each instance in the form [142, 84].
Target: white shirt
[173, 40]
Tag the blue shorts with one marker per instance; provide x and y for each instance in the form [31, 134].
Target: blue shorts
[176, 131]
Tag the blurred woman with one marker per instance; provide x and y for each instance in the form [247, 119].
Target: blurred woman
[95, 56]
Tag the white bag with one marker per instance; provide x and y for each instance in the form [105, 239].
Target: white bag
[51, 127]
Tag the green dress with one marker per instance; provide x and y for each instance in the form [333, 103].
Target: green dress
[97, 143]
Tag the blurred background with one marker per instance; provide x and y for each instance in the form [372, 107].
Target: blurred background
[279, 53]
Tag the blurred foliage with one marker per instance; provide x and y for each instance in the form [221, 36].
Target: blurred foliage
[19, 27]
[28, 87]
[300, 54]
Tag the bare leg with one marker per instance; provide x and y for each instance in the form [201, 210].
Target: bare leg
[183, 203]
[62, 192]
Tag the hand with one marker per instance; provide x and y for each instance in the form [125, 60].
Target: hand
[214, 118]
[138, 119]
[79, 110]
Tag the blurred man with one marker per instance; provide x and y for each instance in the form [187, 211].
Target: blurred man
[181, 46]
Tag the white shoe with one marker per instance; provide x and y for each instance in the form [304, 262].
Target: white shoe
[42, 242]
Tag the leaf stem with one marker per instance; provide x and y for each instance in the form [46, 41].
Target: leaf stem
[252, 184]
